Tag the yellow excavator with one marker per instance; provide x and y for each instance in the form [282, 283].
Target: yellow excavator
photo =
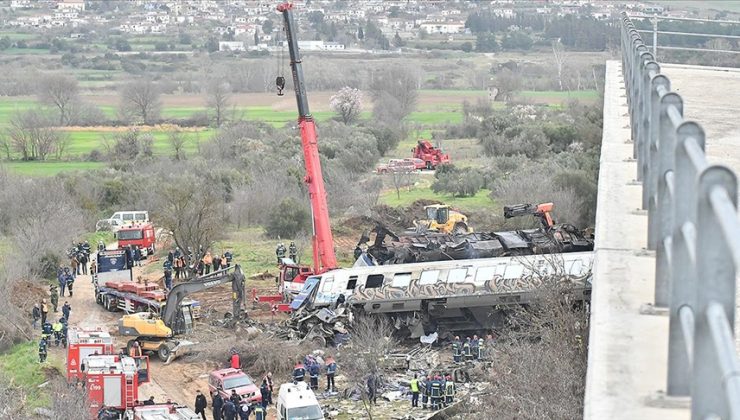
[441, 218]
[157, 334]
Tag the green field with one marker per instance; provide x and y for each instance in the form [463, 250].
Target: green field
[551, 95]
[480, 201]
[83, 142]
[49, 168]
[20, 367]
[9, 106]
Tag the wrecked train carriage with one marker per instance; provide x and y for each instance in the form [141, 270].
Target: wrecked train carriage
[445, 295]
[391, 249]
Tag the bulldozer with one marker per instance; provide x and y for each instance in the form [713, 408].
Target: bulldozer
[158, 334]
[441, 218]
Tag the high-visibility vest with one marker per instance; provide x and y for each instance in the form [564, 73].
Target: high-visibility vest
[466, 348]
[259, 413]
[414, 385]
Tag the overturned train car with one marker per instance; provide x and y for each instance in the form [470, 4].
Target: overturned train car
[390, 249]
[447, 296]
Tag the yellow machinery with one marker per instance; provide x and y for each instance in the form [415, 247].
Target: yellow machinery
[157, 333]
[440, 218]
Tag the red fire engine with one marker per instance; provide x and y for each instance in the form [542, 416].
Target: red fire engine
[113, 381]
[431, 156]
[83, 343]
[137, 235]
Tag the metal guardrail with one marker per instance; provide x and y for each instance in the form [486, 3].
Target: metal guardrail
[654, 19]
[693, 227]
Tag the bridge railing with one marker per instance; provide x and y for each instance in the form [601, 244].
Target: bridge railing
[694, 229]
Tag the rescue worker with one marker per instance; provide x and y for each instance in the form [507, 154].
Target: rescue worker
[229, 256]
[150, 401]
[436, 393]
[450, 390]
[42, 350]
[331, 370]
[280, 252]
[268, 379]
[178, 265]
[313, 373]
[86, 248]
[167, 266]
[372, 388]
[83, 258]
[66, 309]
[62, 280]
[200, 404]
[293, 251]
[229, 410]
[69, 281]
[264, 393]
[235, 362]
[481, 348]
[35, 315]
[54, 294]
[137, 256]
[218, 404]
[56, 328]
[74, 263]
[135, 350]
[357, 252]
[299, 372]
[260, 413]
[426, 390]
[65, 332]
[207, 262]
[474, 347]
[456, 350]
[466, 349]
[235, 398]
[245, 409]
[414, 391]
[44, 311]
[101, 245]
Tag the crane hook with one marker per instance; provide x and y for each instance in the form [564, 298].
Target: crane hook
[280, 82]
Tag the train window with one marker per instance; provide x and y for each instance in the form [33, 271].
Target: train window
[457, 275]
[328, 283]
[484, 274]
[429, 277]
[373, 281]
[513, 271]
[401, 280]
[500, 269]
[352, 283]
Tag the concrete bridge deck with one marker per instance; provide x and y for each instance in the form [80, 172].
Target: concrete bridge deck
[628, 350]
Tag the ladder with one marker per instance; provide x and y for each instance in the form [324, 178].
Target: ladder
[129, 391]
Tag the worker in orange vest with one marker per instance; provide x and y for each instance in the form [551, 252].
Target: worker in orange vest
[135, 350]
[235, 363]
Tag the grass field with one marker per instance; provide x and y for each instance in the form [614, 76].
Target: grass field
[422, 190]
[49, 168]
[20, 367]
[559, 95]
[83, 142]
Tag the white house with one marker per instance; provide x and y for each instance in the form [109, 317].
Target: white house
[443, 27]
[230, 46]
[71, 5]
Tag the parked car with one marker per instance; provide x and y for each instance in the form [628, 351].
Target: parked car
[396, 165]
[418, 163]
[224, 380]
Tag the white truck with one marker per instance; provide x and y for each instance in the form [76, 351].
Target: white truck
[296, 401]
[120, 219]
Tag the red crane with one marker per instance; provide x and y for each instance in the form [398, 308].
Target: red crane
[323, 242]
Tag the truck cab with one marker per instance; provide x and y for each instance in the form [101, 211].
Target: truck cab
[297, 402]
[137, 235]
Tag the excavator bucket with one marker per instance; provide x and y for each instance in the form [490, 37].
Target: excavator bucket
[177, 349]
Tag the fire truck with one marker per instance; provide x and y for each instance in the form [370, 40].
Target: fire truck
[83, 343]
[113, 381]
[138, 235]
[429, 154]
[164, 412]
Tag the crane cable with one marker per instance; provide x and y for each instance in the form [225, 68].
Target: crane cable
[280, 80]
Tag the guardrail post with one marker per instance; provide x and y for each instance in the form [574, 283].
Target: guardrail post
[660, 214]
[683, 267]
[651, 193]
[643, 115]
[716, 283]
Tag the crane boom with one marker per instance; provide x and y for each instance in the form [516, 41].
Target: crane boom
[323, 243]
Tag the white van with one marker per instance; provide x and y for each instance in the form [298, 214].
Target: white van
[296, 401]
[120, 219]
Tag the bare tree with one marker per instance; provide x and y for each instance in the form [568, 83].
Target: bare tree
[371, 342]
[32, 136]
[68, 402]
[5, 146]
[347, 103]
[395, 94]
[400, 179]
[219, 99]
[59, 91]
[177, 141]
[140, 100]
[559, 56]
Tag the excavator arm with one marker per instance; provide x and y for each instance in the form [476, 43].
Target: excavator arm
[217, 278]
[541, 211]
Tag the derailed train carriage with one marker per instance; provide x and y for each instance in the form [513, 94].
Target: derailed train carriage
[440, 296]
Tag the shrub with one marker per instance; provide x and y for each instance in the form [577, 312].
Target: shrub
[287, 219]
[460, 182]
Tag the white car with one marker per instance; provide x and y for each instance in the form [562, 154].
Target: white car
[122, 218]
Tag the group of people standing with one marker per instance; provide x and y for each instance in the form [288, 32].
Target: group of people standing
[292, 252]
[470, 349]
[437, 391]
[312, 366]
[182, 265]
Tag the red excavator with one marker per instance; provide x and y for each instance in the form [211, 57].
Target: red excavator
[540, 211]
[293, 275]
[429, 154]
